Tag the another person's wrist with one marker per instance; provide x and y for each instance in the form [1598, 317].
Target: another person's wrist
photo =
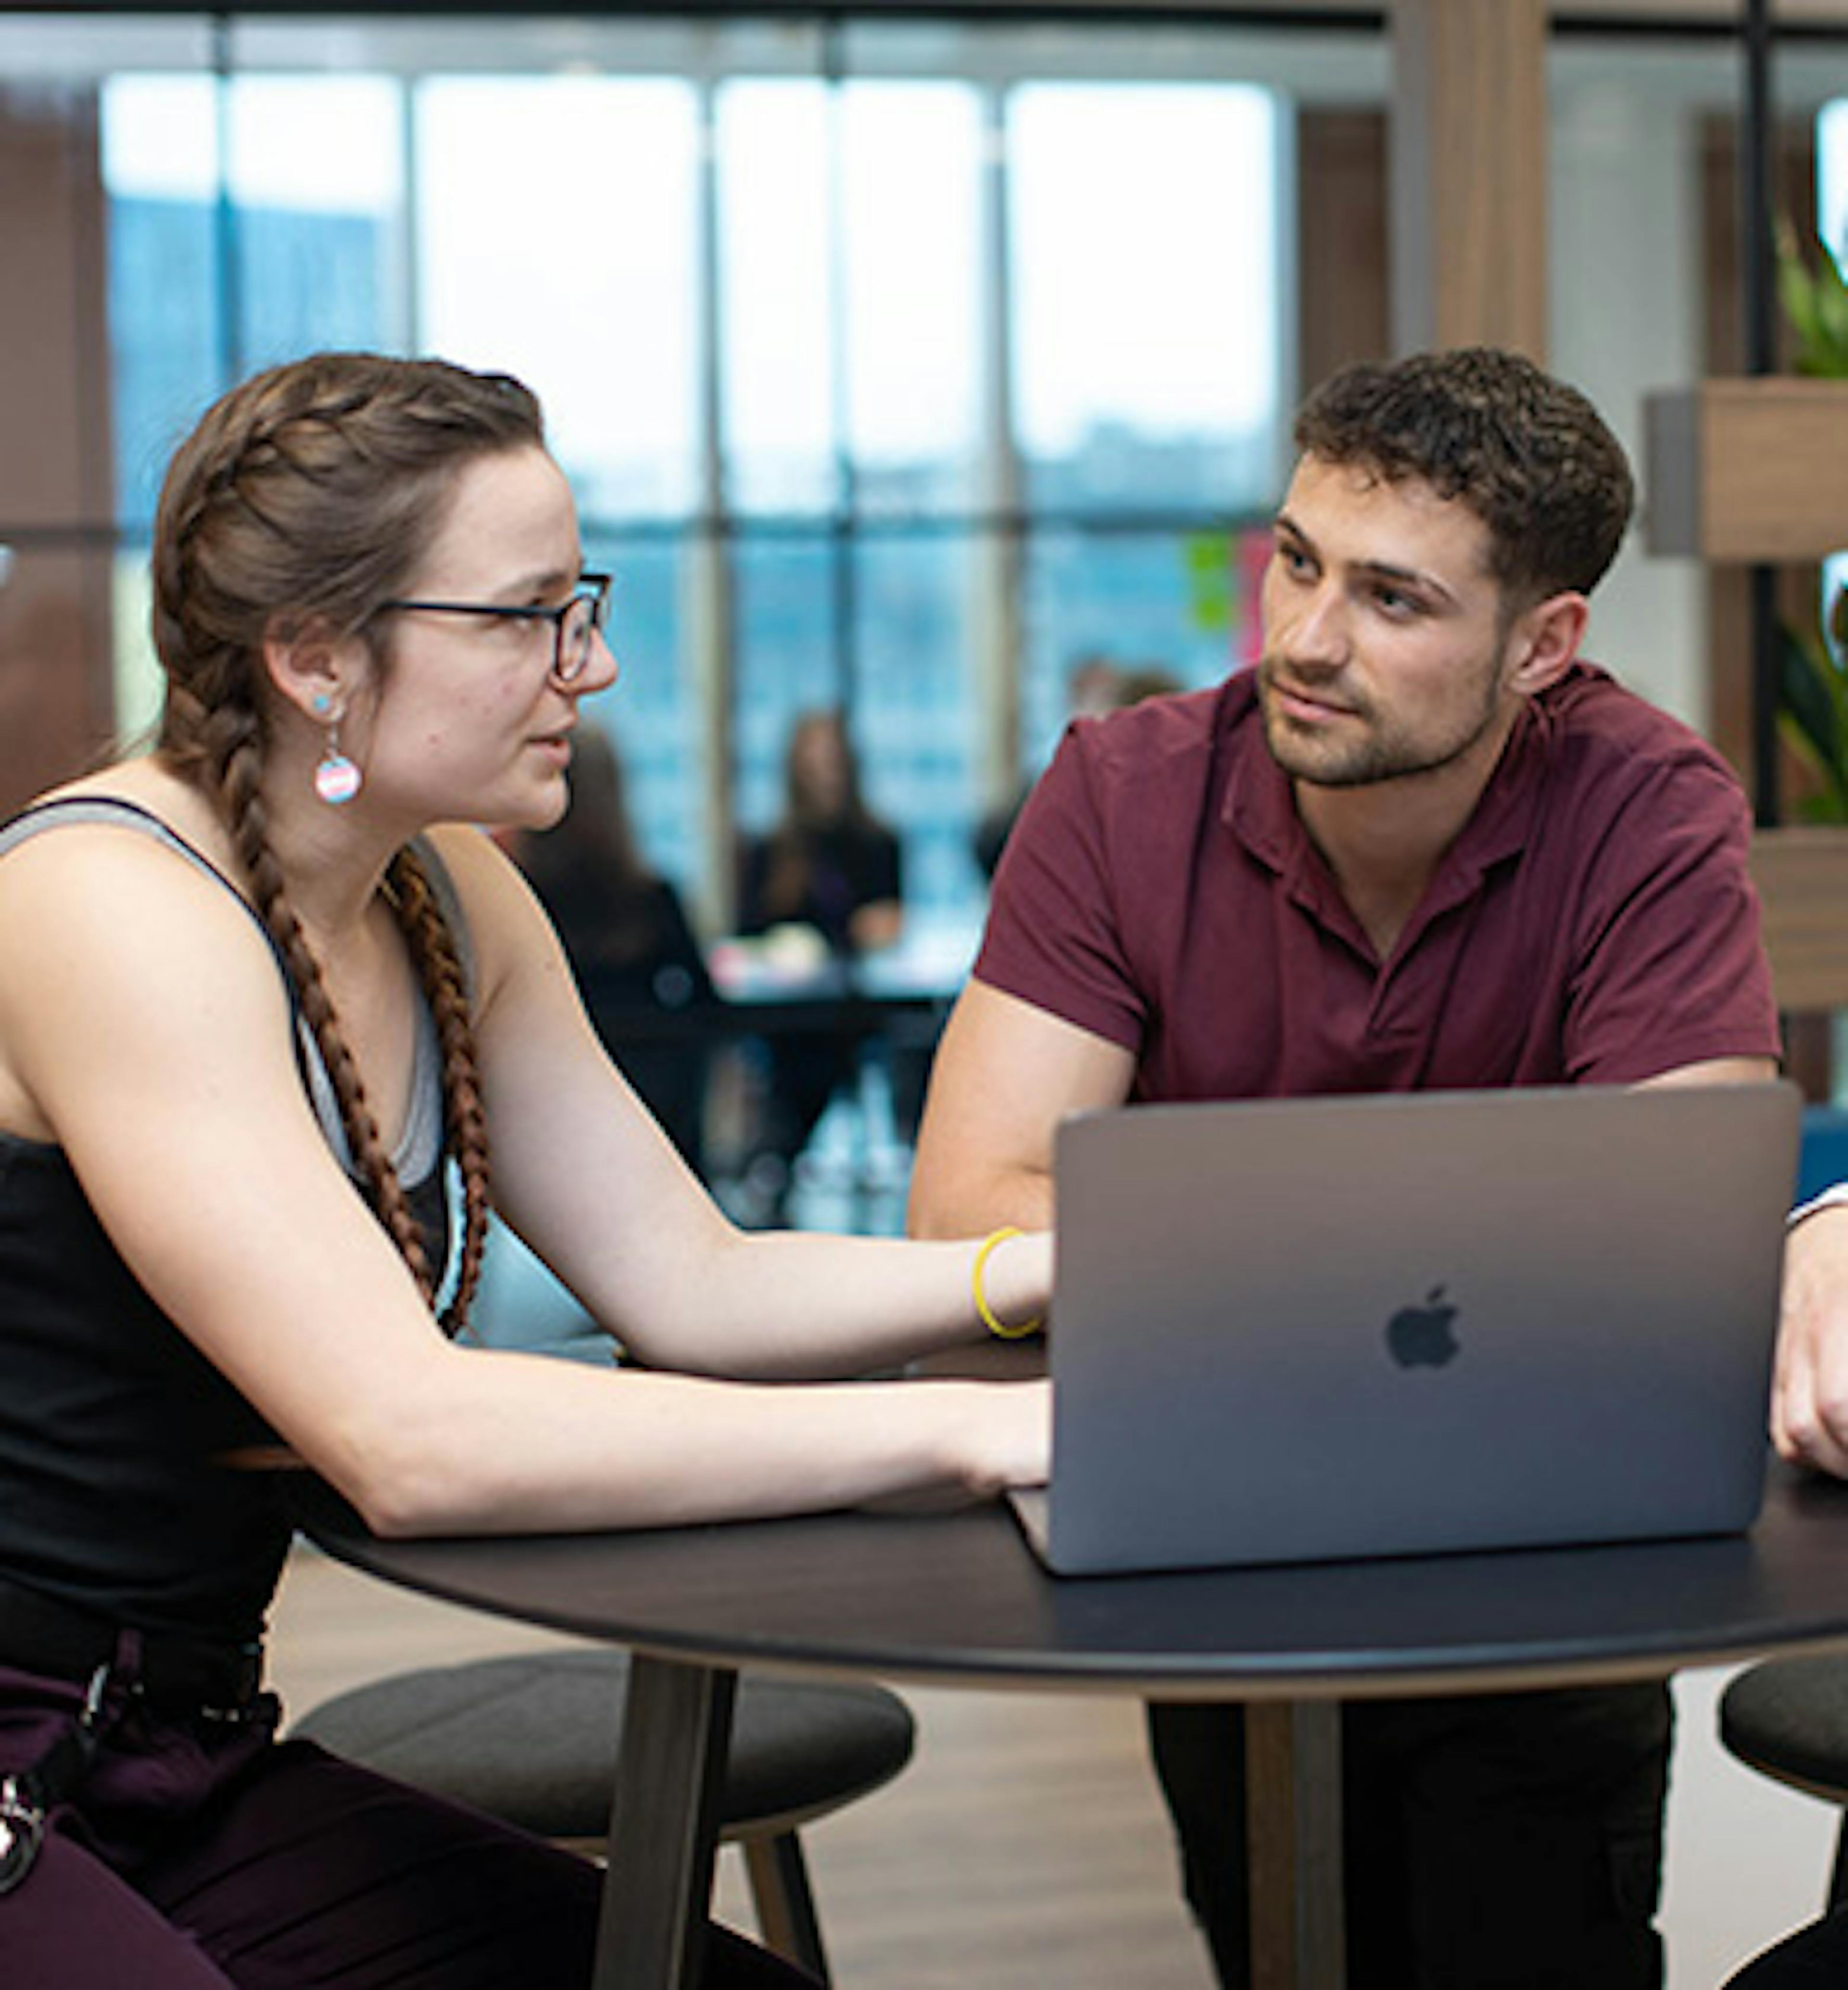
[1834, 1197]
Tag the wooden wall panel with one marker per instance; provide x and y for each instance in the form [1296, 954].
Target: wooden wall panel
[1749, 469]
[1469, 175]
[56, 476]
[1343, 239]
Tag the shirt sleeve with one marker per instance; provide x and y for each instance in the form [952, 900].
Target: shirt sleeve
[1672, 967]
[1053, 936]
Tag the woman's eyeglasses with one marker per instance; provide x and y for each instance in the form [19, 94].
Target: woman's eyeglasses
[575, 623]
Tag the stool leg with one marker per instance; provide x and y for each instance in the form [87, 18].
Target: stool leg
[785, 1904]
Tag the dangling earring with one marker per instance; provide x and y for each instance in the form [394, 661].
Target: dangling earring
[337, 779]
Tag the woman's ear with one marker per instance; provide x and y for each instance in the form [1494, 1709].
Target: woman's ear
[309, 669]
[1543, 643]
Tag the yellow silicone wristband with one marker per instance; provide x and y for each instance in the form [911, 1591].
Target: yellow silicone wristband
[995, 1326]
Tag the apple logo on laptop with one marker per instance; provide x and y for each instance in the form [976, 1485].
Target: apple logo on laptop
[1420, 1336]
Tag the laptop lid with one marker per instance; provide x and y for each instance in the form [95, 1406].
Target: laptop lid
[1315, 1328]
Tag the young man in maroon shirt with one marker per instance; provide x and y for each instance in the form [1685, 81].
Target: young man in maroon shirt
[1421, 845]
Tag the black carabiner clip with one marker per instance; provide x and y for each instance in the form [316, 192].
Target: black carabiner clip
[22, 1832]
[27, 1798]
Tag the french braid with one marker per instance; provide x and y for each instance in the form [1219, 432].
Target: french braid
[433, 948]
[309, 494]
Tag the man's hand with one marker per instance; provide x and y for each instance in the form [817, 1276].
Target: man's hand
[1809, 1389]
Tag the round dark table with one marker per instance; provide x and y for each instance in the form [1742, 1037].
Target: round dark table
[958, 1599]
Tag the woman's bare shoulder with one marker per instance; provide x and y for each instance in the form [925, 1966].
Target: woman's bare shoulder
[108, 908]
[145, 785]
[114, 946]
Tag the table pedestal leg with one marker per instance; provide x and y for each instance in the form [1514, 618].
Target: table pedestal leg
[1292, 1772]
[663, 1825]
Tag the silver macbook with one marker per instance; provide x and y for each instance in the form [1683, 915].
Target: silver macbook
[1309, 1329]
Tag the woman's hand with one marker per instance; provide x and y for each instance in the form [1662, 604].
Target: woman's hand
[1003, 1438]
[1010, 1435]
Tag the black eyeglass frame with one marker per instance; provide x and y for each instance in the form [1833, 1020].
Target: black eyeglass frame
[591, 590]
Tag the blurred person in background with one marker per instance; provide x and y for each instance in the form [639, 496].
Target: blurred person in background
[629, 941]
[828, 865]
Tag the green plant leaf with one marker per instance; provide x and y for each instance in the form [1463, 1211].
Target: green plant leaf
[1814, 299]
[1807, 698]
[1829, 800]
[1832, 315]
[1812, 719]
[1796, 294]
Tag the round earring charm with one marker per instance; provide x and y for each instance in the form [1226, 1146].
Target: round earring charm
[336, 780]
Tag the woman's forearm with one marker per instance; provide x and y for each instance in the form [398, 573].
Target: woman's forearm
[505, 1443]
[784, 1305]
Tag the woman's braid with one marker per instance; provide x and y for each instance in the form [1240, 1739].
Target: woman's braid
[432, 948]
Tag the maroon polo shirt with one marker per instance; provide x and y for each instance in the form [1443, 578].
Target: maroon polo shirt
[1593, 923]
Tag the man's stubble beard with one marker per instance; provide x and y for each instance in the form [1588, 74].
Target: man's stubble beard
[1378, 755]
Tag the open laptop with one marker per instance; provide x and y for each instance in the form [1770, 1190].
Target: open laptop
[1309, 1329]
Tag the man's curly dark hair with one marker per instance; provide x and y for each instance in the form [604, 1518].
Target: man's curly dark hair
[1530, 455]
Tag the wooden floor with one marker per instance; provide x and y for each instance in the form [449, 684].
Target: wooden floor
[1025, 1847]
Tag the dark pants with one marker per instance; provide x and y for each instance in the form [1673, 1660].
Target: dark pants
[198, 1855]
[1511, 1841]
[1815, 1956]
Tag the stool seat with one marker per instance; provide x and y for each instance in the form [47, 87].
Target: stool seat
[533, 1741]
[1788, 1718]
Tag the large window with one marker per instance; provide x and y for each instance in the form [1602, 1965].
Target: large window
[1144, 222]
[898, 363]
[893, 368]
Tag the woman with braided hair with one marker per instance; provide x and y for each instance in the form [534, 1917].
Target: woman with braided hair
[265, 995]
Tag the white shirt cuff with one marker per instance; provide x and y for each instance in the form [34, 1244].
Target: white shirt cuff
[1834, 1197]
